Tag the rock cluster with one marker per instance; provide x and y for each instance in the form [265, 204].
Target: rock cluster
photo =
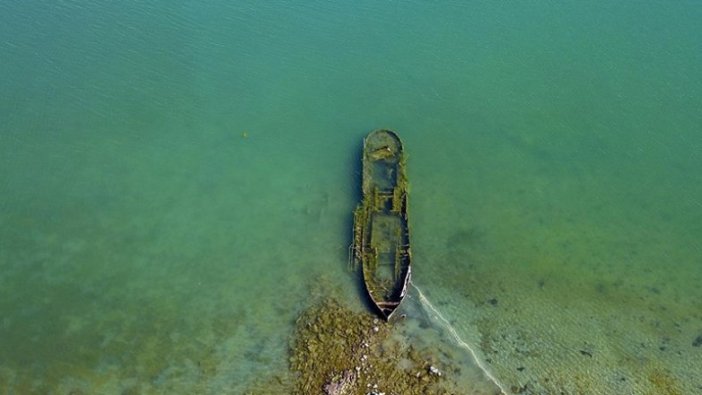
[337, 351]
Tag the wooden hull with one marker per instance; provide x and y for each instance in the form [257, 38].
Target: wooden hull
[381, 226]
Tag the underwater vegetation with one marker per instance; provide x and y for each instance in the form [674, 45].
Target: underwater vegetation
[338, 351]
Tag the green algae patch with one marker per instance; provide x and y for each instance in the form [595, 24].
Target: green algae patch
[337, 351]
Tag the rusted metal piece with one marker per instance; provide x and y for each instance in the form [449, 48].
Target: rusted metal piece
[381, 240]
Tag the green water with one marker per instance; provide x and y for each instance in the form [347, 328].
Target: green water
[174, 177]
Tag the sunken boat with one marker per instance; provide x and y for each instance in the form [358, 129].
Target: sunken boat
[381, 240]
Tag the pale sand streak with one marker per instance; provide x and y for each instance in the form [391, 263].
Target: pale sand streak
[458, 339]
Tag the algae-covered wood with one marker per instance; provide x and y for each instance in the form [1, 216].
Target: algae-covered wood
[381, 227]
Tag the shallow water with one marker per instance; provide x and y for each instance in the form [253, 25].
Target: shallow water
[175, 178]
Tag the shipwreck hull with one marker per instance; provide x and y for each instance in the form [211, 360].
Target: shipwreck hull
[381, 226]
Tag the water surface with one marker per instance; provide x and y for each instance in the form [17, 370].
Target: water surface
[174, 177]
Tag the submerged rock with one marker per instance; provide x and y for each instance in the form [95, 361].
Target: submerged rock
[342, 386]
[337, 351]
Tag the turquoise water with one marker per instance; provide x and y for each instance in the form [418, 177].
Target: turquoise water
[174, 177]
